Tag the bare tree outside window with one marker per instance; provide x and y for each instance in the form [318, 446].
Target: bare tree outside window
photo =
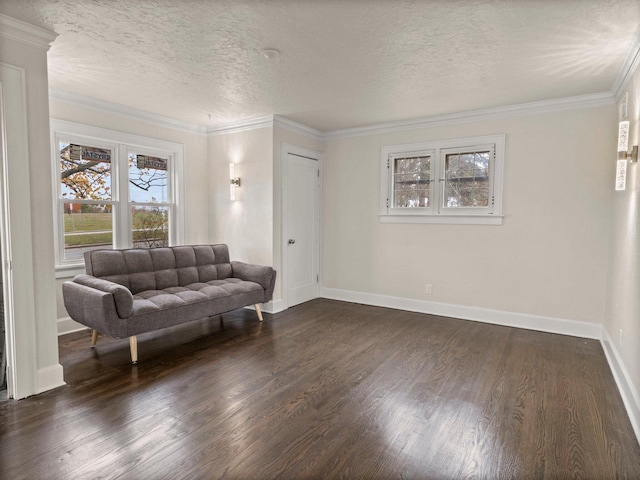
[412, 181]
[467, 179]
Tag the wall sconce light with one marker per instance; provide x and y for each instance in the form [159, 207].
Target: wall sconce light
[625, 155]
[234, 181]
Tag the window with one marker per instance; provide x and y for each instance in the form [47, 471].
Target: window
[114, 190]
[412, 180]
[450, 181]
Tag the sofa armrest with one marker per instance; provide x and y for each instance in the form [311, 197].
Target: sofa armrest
[94, 308]
[265, 276]
[121, 295]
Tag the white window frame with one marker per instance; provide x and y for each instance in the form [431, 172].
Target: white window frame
[121, 144]
[437, 211]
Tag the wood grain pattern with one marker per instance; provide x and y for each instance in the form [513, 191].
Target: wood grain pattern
[326, 390]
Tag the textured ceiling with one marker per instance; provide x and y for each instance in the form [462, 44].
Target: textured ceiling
[343, 63]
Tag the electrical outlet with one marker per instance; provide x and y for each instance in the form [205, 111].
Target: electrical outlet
[620, 335]
[428, 288]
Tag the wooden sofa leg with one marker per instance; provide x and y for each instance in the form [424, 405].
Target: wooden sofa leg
[133, 344]
[258, 311]
[94, 337]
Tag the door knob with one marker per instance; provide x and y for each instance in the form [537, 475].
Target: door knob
[291, 241]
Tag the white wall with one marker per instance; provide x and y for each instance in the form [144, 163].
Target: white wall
[246, 225]
[623, 292]
[196, 171]
[548, 259]
[252, 225]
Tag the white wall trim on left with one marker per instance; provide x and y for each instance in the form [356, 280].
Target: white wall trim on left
[17, 241]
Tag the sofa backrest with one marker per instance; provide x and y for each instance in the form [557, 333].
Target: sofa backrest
[141, 269]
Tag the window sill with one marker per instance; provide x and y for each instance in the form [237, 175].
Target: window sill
[443, 219]
[69, 271]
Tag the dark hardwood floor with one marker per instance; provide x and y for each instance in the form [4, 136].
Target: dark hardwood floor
[325, 390]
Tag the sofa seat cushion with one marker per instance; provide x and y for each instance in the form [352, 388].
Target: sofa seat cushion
[150, 301]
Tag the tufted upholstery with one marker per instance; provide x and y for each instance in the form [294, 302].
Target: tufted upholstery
[126, 292]
[155, 300]
[155, 269]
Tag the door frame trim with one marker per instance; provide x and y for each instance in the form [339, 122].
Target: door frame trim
[16, 238]
[285, 150]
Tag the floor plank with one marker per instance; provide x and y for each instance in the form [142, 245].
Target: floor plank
[326, 389]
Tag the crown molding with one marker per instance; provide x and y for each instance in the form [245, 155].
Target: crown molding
[285, 123]
[241, 125]
[104, 106]
[19, 31]
[629, 66]
[266, 121]
[545, 106]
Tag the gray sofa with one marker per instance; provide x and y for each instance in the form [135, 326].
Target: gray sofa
[128, 292]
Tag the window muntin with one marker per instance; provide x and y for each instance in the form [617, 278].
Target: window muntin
[113, 195]
[449, 181]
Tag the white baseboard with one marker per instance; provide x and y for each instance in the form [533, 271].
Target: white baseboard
[66, 325]
[274, 306]
[498, 317]
[49, 377]
[627, 390]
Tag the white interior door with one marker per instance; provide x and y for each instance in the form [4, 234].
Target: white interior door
[302, 228]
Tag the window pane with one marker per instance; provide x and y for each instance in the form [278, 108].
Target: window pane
[150, 226]
[147, 179]
[411, 181]
[86, 227]
[85, 172]
[467, 180]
